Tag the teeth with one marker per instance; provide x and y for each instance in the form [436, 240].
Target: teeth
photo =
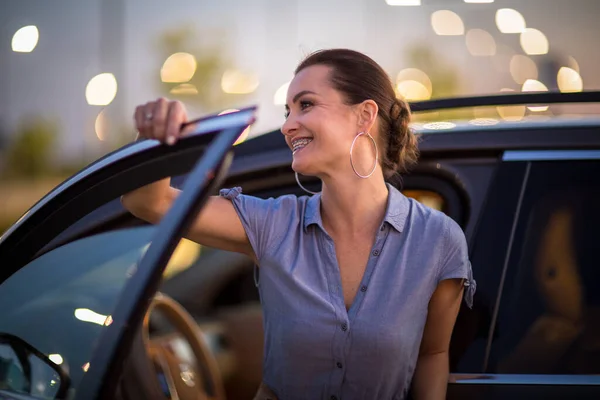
[300, 143]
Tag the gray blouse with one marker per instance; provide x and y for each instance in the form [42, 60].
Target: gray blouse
[314, 348]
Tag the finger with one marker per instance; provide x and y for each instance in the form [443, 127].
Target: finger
[175, 118]
[138, 117]
[159, 119]
[147, 116]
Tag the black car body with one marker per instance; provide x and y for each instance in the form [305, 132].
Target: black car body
[527, 195]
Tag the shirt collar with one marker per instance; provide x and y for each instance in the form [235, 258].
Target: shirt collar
[395, 213]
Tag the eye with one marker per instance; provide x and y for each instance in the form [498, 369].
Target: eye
[286, 114]
[304, 104]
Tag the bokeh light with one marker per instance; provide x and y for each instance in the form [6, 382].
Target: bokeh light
[511, 113]
[569, 80]
[238, 82]
[439, 125]
[573, 64]
[280, 96]
[484, 121]
[25, 39]
[246, 131]
[178, 68]
[510, 21]
[480, 43]
[447, 23]
[534, 42]
[522, 68]
[403, 2]
[411, 90]
[101, 125]
[101, 89]
[184, 89]
[414, 75]
[533, 85]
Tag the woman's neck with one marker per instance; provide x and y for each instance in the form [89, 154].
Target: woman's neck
[352, 205]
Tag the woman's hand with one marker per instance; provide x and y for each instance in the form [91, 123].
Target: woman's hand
[160, 120]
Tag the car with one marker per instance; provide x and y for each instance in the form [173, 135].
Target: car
[97, 304]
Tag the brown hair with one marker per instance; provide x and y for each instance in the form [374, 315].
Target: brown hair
[359, 78]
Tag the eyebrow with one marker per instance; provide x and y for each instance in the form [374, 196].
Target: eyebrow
[300, 94]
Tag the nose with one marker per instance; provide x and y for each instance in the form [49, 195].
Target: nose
[289, 126]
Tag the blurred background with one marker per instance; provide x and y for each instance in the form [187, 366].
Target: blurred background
[72, 72]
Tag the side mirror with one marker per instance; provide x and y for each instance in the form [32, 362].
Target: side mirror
[25, 370]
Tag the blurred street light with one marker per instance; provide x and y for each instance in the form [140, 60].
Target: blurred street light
[101, 89]
[573, 64]
[484, 121]
[25, 39]
[403, 2]
[412, 91]
[569, 80]
[238, 82]
[510, 21]
[447, 23]
[534, 42]
[415, 74]
[184, 89]
[178, 68]
[439, 125]
[511, 113]
[533, 85]
[480, 43]
[281, 94]
[244, 134]
[101, 125]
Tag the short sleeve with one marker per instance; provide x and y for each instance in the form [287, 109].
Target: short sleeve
[259, 218]
[455, 259]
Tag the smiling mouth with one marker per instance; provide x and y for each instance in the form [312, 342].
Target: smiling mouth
[299, 144]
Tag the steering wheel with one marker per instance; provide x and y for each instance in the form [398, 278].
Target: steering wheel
[178, 378]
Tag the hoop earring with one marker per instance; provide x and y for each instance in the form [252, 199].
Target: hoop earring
[302, 187]
[376, 155]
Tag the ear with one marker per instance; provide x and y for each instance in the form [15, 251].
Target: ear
[367, 115]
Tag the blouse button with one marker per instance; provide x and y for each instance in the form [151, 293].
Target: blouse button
[339, 364]
[344, 327]
[375, 252]
[363, 289]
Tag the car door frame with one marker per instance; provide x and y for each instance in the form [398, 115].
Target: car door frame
[103, 181]
[108, 359]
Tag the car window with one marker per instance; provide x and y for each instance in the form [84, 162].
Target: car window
[60, 302]
[549, 319]
[427, 197]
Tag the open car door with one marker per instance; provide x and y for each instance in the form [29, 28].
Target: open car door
[113, 347]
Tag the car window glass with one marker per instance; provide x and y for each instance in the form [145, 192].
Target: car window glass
[60, 302]
[550, 308]
[427, 197]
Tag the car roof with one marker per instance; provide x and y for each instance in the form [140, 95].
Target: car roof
[485, 134]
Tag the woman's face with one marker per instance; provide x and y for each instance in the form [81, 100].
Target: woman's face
[319, 127]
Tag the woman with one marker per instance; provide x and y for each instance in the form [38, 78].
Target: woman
[360, 286]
